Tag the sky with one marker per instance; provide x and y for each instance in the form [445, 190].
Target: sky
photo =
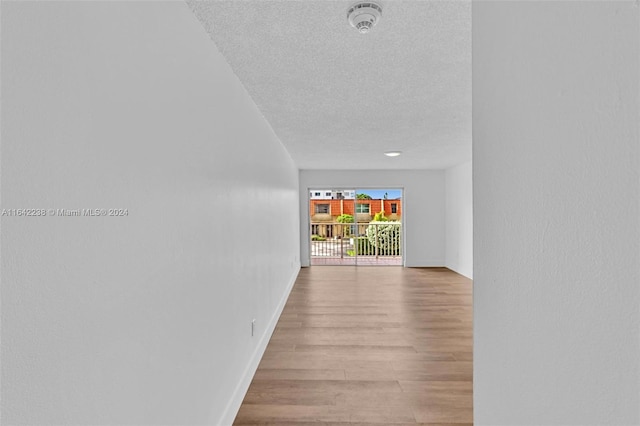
[392, 194]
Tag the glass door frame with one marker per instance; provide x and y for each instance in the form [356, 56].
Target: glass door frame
[356, 224]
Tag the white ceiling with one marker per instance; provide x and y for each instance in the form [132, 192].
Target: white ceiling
[338, 99]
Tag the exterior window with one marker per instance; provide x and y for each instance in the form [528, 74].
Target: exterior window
[322, 208]
[362, 208]
[328, 194]
[394, 208]
[317, 194]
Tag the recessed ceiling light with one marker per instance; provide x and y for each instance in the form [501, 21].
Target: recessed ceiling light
[392, 153]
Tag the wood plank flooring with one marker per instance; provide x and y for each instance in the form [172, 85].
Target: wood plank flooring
[365, 346]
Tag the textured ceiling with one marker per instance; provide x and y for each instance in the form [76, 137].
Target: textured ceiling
[338, 99]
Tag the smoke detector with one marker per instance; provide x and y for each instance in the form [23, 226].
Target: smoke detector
[364, 15]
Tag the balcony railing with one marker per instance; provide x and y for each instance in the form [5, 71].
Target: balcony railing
[344, 240]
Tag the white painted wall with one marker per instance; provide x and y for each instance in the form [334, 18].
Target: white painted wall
[143, 319]
[423, 207]
[459, 219]
[556, 213]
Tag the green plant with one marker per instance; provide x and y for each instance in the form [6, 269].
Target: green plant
[363, 197]
[385, 237]
[380, 217]
[363, 247]
[315, 237]
[344, 218]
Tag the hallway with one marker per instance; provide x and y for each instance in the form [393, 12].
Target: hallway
[368, 345]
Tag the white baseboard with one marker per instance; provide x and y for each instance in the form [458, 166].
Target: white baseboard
[425, 264]
[240, 391]
[462, 271]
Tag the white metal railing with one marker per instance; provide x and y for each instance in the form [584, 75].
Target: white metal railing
[342, 240]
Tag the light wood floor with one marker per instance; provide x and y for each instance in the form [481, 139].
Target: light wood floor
[368, 345]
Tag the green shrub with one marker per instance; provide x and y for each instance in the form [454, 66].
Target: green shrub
[363, 247]
[380, 217]
[315, 237]
[385, 236]
[344, 218]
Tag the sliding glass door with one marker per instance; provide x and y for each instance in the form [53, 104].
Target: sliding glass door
[355, 226]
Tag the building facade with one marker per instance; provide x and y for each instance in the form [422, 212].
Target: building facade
[324, 213]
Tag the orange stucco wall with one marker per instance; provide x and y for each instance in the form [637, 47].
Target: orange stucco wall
[338, 207]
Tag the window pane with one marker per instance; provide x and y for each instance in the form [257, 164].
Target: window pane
[322, 208]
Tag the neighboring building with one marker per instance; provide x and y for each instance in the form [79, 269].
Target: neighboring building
[326, 209]
[327, 194]
[324, 212]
